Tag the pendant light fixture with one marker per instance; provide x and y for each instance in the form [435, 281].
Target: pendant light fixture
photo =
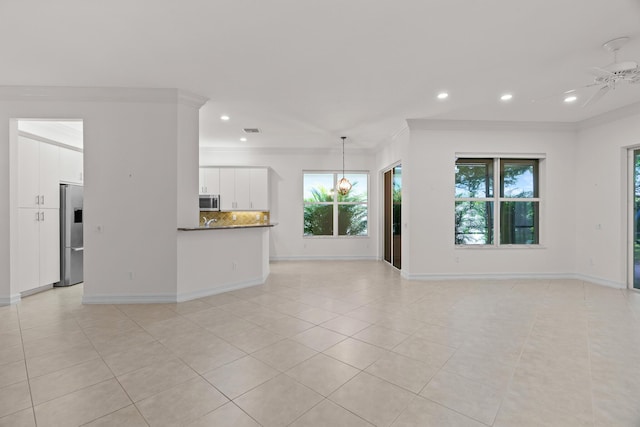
[344, 186]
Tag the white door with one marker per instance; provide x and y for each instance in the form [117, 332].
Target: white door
[71, 166]
[227, 189]
[260, 189]
[49, 180]
[243, 189]
[49, 246]
[28, 249]
[28, 173]
[211, 180]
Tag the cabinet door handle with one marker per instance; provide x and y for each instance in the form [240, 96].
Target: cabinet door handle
[42, 216]
[37, 200]
[42, 203]
[37, 216]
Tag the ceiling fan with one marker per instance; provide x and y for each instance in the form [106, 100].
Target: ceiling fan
[610, 76]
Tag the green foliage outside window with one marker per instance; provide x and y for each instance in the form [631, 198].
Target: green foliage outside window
[352, 212]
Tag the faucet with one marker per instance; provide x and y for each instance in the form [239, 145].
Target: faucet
[207, 222]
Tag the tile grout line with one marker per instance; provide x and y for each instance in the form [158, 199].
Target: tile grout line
[26, 368]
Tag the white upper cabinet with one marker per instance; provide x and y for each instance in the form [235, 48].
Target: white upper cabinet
[209, 181]
[71, 166]
[227, 189]
[260, 189]
[245, 189]
[38, 174]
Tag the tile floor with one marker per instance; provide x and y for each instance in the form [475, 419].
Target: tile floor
[329, 344]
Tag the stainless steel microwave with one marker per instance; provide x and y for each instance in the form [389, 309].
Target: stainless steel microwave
[209, 202]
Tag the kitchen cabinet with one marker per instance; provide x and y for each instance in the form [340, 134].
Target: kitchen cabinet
[209, 181]
[38, 247]
[71, 166]
[38, 174]
[227, 189]
[244, 189]
[260, 189]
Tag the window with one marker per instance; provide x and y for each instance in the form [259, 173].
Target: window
[497, 200]
[323, 210]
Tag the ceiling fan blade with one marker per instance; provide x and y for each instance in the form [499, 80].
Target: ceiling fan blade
[600, 72]
[596, 96]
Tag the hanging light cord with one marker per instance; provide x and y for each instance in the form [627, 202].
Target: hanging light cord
[343, 138]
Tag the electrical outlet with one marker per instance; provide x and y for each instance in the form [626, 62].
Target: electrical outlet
[257, 217]
[233, 217]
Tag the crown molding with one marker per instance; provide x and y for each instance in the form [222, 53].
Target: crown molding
[611, 116]
[191, 99]
[475, 125]
[99, 94]
[311, 151]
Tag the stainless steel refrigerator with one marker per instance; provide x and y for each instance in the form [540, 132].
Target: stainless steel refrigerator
[71, 240]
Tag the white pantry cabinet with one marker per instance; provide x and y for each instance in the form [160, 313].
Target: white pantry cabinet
[38, 174]
[209, 181]
[71, 166]
[245, 189]
[38, 247]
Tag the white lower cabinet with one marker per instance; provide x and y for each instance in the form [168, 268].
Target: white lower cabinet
[38, 247]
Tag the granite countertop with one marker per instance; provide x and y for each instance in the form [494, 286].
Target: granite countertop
[227, 227]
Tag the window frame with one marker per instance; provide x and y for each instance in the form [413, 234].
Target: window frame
[497, 161]
[335, 203]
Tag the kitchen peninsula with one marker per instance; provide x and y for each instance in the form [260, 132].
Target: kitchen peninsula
[218, 259]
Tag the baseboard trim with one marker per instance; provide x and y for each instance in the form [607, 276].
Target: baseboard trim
[129, 299]
[10, 300]
[187, 296]
[324, 258]
[36, 290]
[600, 281]
[515, 276]
[171, 298]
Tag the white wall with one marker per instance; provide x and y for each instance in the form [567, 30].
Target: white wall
[432, 153]
[388, 155]
[131, 186]
[215, 261]
[285, 175]
[601, 205]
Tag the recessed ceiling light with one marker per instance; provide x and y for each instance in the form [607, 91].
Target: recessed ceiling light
[506, 97]
[243, 139]
[443, 95]
[224, 117]
[571, 98]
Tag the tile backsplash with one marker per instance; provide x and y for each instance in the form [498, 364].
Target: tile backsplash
[241, 218]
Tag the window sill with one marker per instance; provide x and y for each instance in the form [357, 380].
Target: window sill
[335, 237]
[497, 247]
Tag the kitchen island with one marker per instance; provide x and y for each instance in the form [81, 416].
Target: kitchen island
[217, 259]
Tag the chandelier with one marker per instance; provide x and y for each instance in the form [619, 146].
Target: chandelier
[344, 186]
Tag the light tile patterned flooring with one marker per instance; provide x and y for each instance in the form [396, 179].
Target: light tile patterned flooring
[329, 344]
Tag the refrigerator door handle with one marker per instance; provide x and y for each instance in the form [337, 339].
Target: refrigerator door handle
[78, 249]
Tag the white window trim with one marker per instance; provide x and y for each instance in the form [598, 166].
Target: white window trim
[496, 199]
[336, 176]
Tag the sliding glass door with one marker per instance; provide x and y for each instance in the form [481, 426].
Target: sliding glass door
[392, 216]
[636, 219]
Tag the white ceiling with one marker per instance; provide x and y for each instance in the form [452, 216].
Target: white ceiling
[308, 71]
[67, 132]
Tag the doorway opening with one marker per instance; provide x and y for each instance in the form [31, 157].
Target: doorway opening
[50, 179]
[392, 216]
[634, 241]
